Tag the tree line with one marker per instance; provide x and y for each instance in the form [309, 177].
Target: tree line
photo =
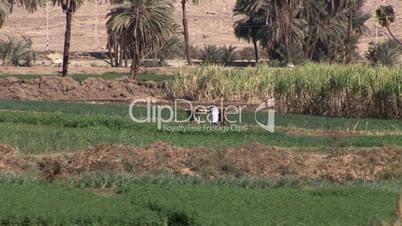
[289, 31]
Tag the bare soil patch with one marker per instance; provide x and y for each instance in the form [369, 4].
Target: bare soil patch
[253, 160]
[9, 160]
[66, 88]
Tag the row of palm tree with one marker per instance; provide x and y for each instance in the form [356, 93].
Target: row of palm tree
[135, 26]
[287, 29]
[312, 29]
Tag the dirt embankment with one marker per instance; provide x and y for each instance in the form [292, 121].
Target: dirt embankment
[66, 88]
[252, 160]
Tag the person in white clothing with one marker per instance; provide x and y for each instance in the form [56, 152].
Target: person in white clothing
[215, 116]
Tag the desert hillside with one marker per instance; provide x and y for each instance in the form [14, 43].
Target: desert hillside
[210, 23]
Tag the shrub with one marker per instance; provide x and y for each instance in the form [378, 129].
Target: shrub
[170, 49]
[17, 51]
[384, 53]
[211, 54]
[229, 54]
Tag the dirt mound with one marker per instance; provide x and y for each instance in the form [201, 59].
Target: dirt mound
[158, 157]
[66, 88]
[364, 164]
[8, 159]
[253, 160]
[260, 161]
[249, 160]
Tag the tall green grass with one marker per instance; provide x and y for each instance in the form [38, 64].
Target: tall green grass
[334, 90]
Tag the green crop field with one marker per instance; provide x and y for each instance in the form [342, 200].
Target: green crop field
[172, 201]
[37, 126]
[295, 120]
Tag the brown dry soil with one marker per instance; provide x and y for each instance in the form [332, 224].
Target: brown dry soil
[253, 160]
[66, 88]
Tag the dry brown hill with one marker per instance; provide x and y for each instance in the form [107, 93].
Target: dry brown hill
[210, 23]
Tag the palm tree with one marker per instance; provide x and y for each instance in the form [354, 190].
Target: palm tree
[385, 17]
[69, 7]
[185, 29]
[322, 29]
[146, 24]
[281, 25]
[4, 10]
[6, 7]
[248, 27]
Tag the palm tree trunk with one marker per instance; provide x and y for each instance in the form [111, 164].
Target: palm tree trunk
[186, 33]
[288, 50]
[312, 49]
[393, 36]
[256, 51]
[348, 53]
[110, 55]
[136, 53]
[67, 39]
[134, 67]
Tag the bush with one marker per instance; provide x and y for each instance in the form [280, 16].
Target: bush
[384, 53]
[229, 54]
[17, 51]
[211, 54]
[171, 49]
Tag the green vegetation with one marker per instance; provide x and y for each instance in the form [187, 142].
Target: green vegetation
[100, 179]
[386, 16]
[384, 53]
[54, 204]
[220, 205]
[283, 120]
[17, 51]
[169, 201]
[296, 31]
[66, 126]
[138, 27]
[211, 54]
[331, 90]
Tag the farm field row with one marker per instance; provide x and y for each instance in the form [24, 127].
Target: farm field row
[170, 201]
[41, 126]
